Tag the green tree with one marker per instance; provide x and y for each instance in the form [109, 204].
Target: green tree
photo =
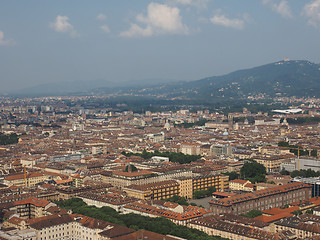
[232, 175]
[178, 199]
[252, 214]
[284, 172]
[204, 193]
[132, 167]
[297, 212]
[253, 171]
[309, 211]
[8, 139]
[159, 225]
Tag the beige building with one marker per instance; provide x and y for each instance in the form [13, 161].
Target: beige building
[28, 180]
[32, 207]
[272, 163]
[203, 182]
[262, 199]
[190, 148]
[156, 191]
[185, 186]
[121, 179]
[241, 185]
[234, 227]
[304, 226]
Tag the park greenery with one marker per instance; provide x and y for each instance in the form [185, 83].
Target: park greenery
[173, 157]
[306, 173]
[253, 171]
[204, 193]
[131, 168]
[189, 125]
[134, 221]
[294, 149]
[284, 172]
[8, 139]
[303, 120]
[232, 175]
[252, 214]
[178, 199]
[297, 212]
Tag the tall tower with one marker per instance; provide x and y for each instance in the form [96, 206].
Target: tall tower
[230, 121]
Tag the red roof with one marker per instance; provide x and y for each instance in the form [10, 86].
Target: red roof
[240, 181]
[132, 174]
[33, 201]
[21, 176]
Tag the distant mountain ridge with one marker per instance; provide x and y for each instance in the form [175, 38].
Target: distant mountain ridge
[284, 78]
[85, 87]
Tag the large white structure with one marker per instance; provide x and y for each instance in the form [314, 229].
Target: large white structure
[301, 163]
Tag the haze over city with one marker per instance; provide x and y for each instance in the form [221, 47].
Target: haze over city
[120, 41]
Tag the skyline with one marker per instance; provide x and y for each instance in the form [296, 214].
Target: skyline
[45, 42]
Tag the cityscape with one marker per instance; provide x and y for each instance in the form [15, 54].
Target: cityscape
[160, 120]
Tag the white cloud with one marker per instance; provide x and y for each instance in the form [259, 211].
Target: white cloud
[312, 12]
[5, 42]
[282, 8]
[105, 28]
[101, 17]
[160, 19]
[62, 24]
[221, 19]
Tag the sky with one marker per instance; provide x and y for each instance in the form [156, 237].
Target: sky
[125, 40]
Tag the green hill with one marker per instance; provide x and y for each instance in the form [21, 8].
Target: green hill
[284, 78]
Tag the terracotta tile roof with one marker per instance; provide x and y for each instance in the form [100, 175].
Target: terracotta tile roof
[21, 176]
[240, 181]
[190, 212]
[33, 201]
[146, 235]
[132, 174]
[50, 221]
[260, 193]
[16, 220]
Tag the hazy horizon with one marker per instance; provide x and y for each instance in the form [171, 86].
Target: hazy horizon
[46, 42]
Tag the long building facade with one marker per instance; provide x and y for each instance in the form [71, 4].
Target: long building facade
[262, 199]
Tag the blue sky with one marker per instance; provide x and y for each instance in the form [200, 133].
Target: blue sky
[121, 40]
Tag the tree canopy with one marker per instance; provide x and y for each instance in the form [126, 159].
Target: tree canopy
[253, 171]
[252, 214]
[305, 173]
[8, 139]
[173, 157]
[232, 175]
[204, 193]
[159, 225]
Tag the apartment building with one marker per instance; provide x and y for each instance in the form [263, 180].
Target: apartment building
[272, 163]
[262, 199]
[241, 185]
[203, 182]
[304, 226]
[174, 212]
[235, 227]
[76, 227]
[157, 191]
[28, 180]
[31, 207]
[185, 187]
[190, 148]
[120, 179]
[114, 201]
